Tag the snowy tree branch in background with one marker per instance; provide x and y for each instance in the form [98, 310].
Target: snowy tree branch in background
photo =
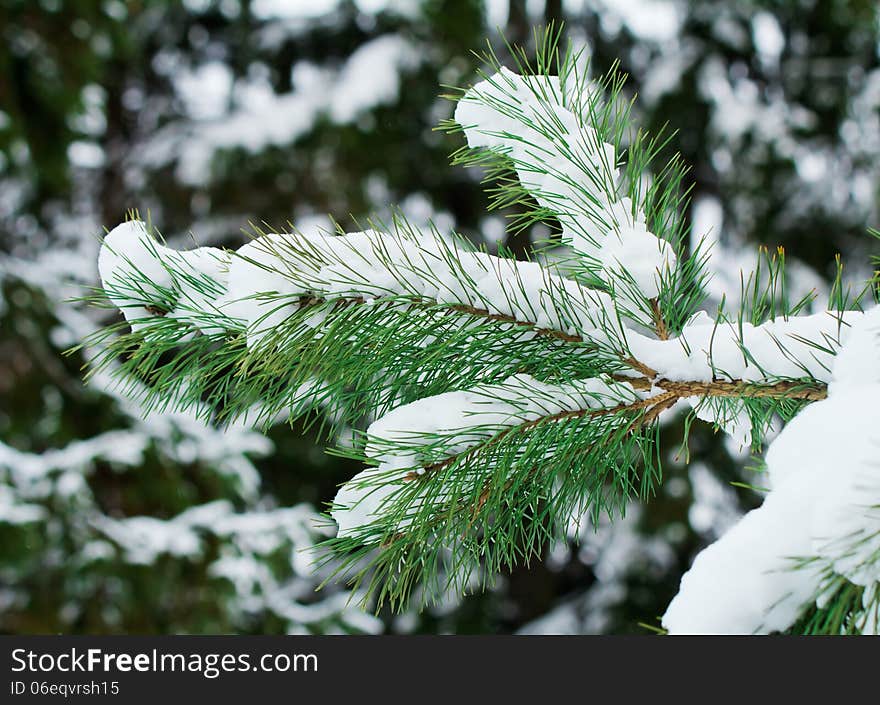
[501, 398]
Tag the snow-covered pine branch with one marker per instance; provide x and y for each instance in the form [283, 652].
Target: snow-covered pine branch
[811, 552]
[552, 130]
[505, 396]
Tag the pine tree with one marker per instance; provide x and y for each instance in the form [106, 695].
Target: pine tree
[500, 399]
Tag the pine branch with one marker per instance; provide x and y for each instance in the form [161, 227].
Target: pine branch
[738, 389]
[504, 397]
[649, 405]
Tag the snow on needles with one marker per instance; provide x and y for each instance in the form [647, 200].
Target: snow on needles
[144, 278]
[706, 351]
[793, 347]
[400, 440]
[259, 286]
[544, 128]
[820, 522]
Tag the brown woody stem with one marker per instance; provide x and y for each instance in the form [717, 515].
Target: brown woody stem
[672, 392]
[561, 416]
[815, 391]
[659, 324]
[308, 300]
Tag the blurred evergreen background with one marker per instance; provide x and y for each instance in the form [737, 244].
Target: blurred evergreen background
[210, 114]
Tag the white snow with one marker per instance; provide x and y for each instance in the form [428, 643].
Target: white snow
[457, 420]
[205, 90]
[648, 20]
[132, 270]
[544, 128]
[258, 285]
[137, 271]
[715, 507]
[475, 414]
[14, 511]
[745, 582]
[858, 363]
[634, 253]
[371, 76]
[822, 508]
[361, 501]
[257, 294]
[768, 38]
[781, 348]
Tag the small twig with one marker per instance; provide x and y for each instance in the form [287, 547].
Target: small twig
[311, 300]
[505, 318]
[815, 391]
[640, 367]
[525, 426]
[659, 324]
[672, 392]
